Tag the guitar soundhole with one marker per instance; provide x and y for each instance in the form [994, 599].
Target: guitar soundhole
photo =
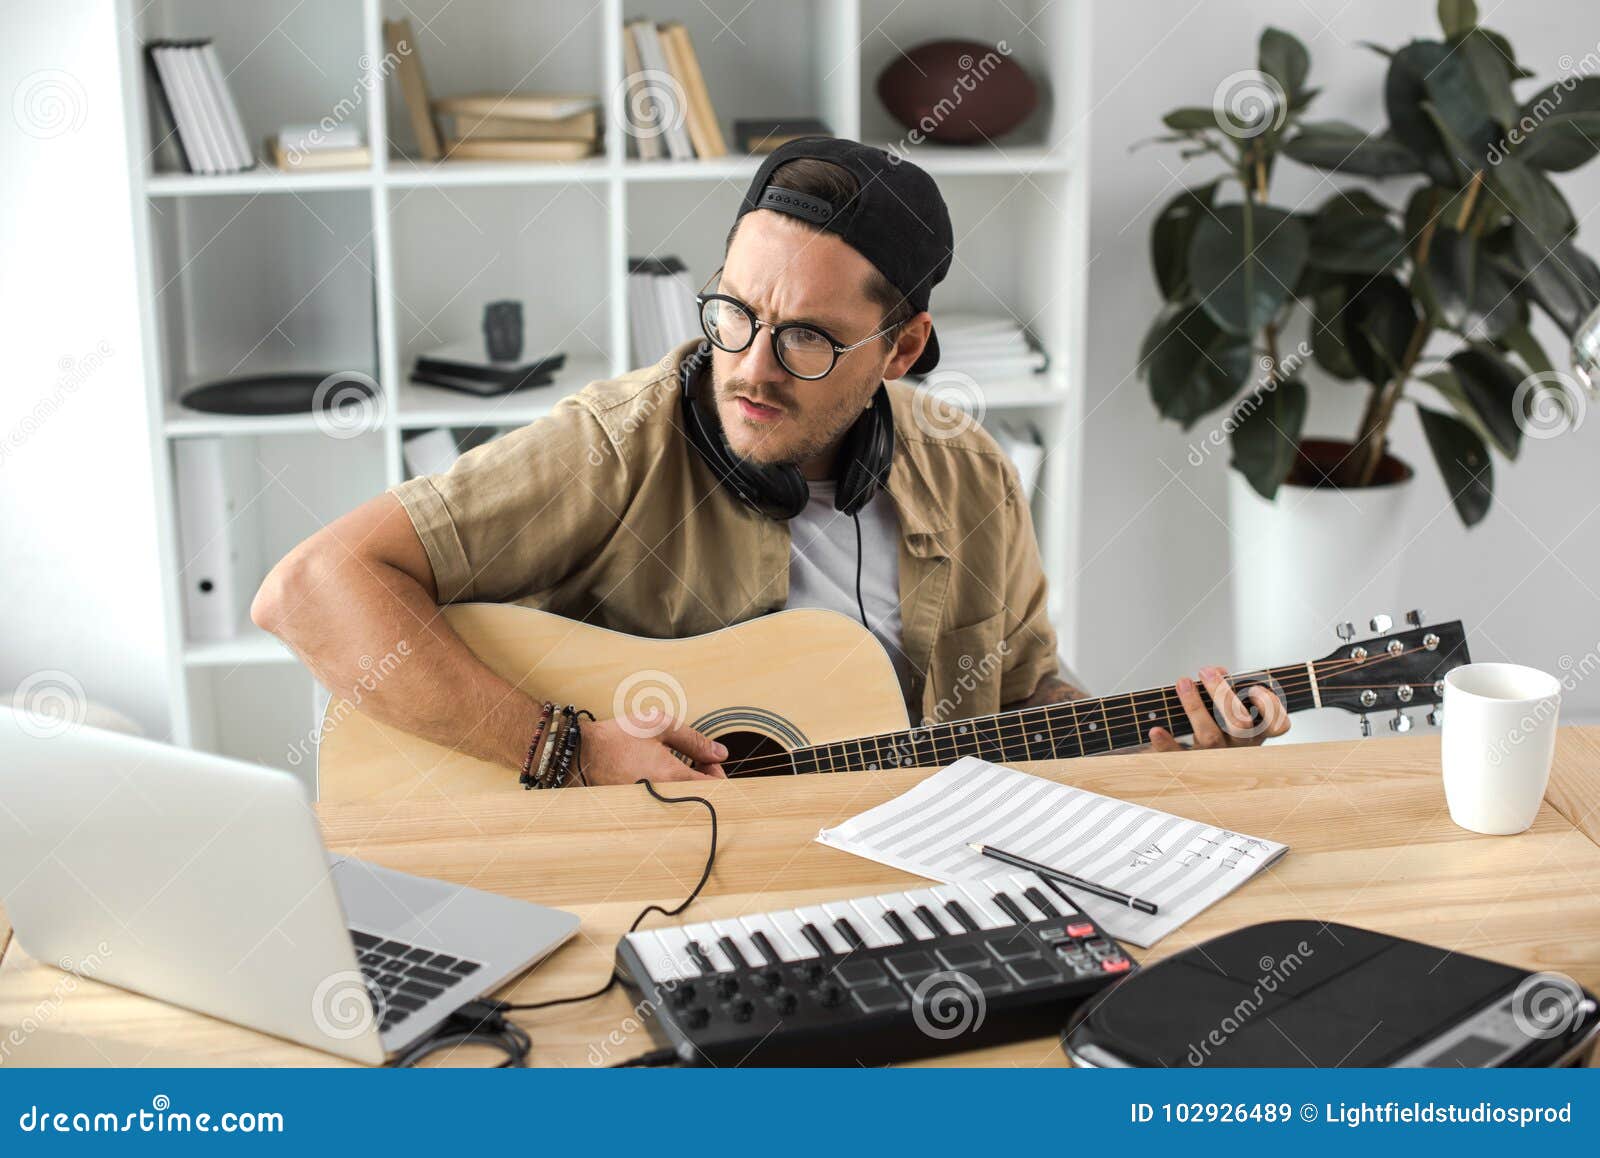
[752, 754]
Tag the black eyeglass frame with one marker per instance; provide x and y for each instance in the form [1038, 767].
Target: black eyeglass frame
[775, 332]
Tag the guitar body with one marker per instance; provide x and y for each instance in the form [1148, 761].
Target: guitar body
[769, 685]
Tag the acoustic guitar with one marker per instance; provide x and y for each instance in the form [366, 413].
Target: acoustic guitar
[809, 691]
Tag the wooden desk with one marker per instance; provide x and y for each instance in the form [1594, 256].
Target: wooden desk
[1372, 845]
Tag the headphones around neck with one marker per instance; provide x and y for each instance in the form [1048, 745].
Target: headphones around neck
[780, 492]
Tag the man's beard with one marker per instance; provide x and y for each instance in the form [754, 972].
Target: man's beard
[786, 442]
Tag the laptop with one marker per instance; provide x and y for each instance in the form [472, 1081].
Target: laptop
[203, 881]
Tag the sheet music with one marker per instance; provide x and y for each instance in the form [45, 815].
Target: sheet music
[1183, 866]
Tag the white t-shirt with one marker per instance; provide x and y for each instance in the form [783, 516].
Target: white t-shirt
[822, 567]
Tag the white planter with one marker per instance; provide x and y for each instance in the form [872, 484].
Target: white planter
[1306, 562]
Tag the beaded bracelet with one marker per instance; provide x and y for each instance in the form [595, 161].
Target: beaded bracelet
[526, 779]
[569, 746]
[551, 737]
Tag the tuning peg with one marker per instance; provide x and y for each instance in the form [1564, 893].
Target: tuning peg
[1366, 725]
[1400, 723]
[1381, 623]
[1414, 618]
[1435, 717]
[1345, 631]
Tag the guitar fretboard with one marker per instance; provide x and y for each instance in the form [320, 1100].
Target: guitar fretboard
[1050, 732]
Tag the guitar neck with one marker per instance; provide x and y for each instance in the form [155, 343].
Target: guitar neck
[1049, 732]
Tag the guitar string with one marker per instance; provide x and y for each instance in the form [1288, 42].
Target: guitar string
[1012, 720]
[1018, 727]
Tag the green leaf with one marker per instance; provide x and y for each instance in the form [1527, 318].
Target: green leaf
[1344, 148]
[1266, 439]
[1169, 238]
[1282, 57]
[1379, 322]
[1490, 72]
[1457, 17]
[1519, 340]
[1328, 343]
[1561, 280]
[1568, 95]
[1192, 366]
[1350, 244]
[1463, 461]
[1244, 266]
[1472, 296]
[1537, 204]
[1352, 203]
[1562, 143]
[1489, 383]
[1190, 120]
[1503, 46]
[1445, 381]
[1429, 72]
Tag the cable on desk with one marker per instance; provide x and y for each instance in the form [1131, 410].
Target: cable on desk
[705, 875]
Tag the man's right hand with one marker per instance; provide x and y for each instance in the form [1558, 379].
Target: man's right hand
[618, 752]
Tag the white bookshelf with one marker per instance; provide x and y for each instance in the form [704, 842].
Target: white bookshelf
[360, 270]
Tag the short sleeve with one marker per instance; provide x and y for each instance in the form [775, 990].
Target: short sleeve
[516, 515]
[1029, 637]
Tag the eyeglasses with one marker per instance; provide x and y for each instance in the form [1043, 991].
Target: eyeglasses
[802, 349]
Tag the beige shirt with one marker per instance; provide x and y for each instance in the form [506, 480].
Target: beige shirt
[603, 512]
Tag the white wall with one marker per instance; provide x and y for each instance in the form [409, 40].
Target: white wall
[1154, 598]
[79, 586]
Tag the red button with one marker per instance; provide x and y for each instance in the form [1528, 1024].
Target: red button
[1081, 929]
[1116, 965]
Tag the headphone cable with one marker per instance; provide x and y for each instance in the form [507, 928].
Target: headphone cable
[855, 517]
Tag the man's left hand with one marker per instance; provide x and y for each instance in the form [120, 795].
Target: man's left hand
[1231, 725]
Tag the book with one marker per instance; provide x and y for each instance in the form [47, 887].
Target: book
[298, 161]
[662, 90]
[761, 136]
[518, 105]
[469, 361]
[478, 386]
[309, 138]
[233, 123]
[640, 113]
[413, 86]
[661, 307]
[509, 150]
[470, 127]
[698, 93]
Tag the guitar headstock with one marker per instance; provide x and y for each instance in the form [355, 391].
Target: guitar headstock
[1393, 670]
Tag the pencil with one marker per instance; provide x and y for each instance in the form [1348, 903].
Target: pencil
[1104, 891]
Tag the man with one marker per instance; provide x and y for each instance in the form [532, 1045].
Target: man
[768, 467]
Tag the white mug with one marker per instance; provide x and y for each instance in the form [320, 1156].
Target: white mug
[1499, 738]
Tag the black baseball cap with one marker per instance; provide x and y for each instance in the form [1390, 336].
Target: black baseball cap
[897, 220]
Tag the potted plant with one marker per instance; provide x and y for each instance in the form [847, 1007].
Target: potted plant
[1416, 279]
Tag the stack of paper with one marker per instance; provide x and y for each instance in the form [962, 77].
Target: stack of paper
[1183, 866]
[986, 348]
[661, 309]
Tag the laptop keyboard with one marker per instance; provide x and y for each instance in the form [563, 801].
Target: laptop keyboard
[406, 976]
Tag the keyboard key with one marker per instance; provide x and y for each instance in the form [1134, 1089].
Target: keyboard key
[464, 968]
[431, 976]
[788, 923]
[364, 940]
[727, 946]
[822, 920]
[421, 989]
[870, 919]
[963, 957]
[1041, 902]
[1080, 929]
[901, 929]
[930, 921]
[1012, 948]
[405, 1001]
[1010, 907]
[1033, 971]
[979, 899]
[675, 944]
[848, 932]
[441, 961]
[659, 962]
[769, 951]
[419, 955]
[989, 979]
[1116, 965]
[957, 910]
[818, 941]
[372, 958]
[392, 948]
